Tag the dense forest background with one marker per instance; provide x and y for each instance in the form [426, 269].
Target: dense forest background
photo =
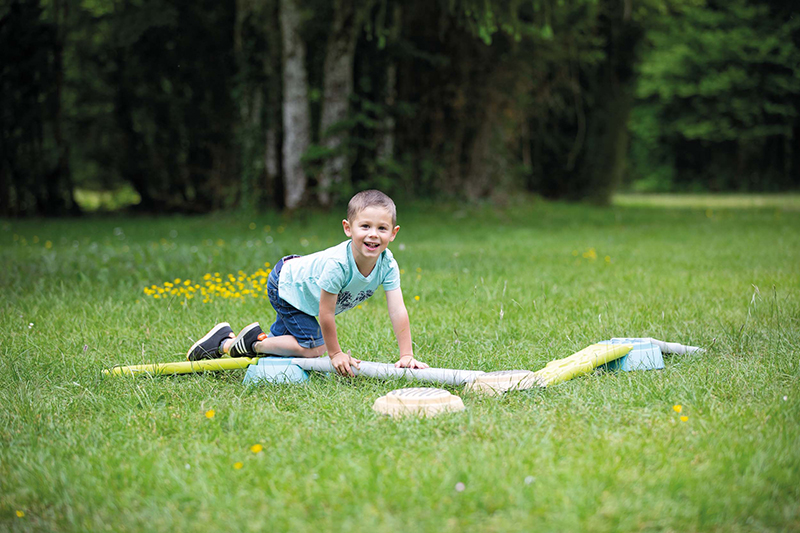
[196, 106]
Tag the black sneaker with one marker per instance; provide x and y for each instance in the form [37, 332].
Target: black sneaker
[243, 343]
[208, 346]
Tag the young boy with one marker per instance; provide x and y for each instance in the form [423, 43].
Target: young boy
[325, 284]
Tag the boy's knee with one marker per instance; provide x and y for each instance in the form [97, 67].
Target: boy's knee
[319, 351]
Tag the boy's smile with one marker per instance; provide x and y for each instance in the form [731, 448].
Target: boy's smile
[371, 231]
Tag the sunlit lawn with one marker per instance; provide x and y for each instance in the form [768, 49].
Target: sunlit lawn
[487, 289]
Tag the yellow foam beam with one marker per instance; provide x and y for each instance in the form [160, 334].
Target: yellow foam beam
[184, 367]
[580, 363]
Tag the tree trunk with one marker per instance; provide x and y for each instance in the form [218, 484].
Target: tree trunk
[793, 156]
[603, 163]
[59, 195]
[338, 85]
[479, 176]
[249, 126]
[296, 111]
[273, 133]
[385, 145]
[132, 168]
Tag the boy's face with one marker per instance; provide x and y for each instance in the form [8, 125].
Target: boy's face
[371, 231]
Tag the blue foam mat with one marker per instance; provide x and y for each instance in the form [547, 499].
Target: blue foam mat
[274, 370]
[643, 356]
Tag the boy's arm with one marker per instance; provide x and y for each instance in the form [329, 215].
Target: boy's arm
[341, 361]
[402, 329]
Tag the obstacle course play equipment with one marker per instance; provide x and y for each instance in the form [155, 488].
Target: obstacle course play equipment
[615, 354]
[417, 401]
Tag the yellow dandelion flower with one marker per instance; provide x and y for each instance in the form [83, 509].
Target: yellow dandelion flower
[677, 408]
[210, 413]
[20, 514]
[256, 448]
[684, 418]
[187, 282]
[238, 465]
[177, 281]
[267, 264]
[416, 298]
[48, 245]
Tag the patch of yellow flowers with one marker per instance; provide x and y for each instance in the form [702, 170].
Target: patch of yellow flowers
[241, 286]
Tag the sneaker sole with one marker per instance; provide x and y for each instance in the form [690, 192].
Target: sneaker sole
[239, 340]
[207, 336]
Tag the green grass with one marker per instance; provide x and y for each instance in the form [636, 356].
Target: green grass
[499, 289]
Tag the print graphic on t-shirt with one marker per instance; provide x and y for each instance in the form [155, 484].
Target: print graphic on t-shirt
[347, 301]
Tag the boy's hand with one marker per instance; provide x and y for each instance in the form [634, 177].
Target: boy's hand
[344, 363]
[408, 361]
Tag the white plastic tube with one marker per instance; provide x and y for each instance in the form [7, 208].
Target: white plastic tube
[444, 376]
[674, 347]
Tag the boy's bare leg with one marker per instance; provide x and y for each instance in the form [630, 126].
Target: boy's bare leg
[285, 346]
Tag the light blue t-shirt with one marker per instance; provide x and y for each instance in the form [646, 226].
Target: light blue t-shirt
[335, 271]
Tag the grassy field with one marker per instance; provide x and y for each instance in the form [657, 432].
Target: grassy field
[487, 289]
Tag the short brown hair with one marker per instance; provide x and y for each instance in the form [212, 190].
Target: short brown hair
[371, 198]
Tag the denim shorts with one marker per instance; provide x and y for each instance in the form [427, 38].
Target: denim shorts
[289, 319]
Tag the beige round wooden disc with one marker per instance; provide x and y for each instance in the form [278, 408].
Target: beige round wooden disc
[423, 401]
[496, 383]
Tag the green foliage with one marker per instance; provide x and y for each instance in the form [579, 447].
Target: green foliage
[474, 98]
[512, 288]
[30, 152]
[719, 78]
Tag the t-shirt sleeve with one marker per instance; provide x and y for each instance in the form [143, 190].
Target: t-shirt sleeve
[391, 280]
[332, 278]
